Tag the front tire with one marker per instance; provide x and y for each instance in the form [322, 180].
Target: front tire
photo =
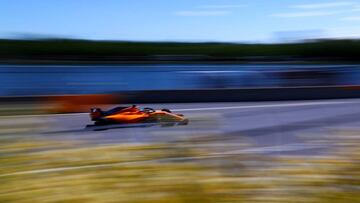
[184, 122]
[100, 123]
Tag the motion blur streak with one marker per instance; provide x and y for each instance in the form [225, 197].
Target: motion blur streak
[25, 80]
[266, 106]
[224, 155]
[187, 101]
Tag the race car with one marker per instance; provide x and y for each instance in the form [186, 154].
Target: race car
[135, 115]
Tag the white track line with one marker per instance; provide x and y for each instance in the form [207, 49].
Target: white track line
[270, 149]
[211, 108]
[277, 148]
[61, 169]
[267, 106]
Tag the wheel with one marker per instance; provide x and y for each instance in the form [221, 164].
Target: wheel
[184, 122]
[101, 123]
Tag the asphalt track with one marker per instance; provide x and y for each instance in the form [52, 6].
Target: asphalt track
[294, 127]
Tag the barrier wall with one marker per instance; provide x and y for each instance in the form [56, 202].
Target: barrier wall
[204, 95]
[239, 95]
[82, 103]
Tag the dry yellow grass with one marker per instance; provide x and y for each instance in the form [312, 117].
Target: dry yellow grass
[177, 172]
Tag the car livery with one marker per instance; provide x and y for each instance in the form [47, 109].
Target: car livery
[135, 115]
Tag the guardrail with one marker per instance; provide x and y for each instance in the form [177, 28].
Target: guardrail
[203, 95]
[244, 94]
[82, 103]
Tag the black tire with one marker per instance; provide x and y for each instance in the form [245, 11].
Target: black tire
[101, 123]
[184, 122]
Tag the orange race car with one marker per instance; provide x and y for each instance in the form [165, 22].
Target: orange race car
[135, 115]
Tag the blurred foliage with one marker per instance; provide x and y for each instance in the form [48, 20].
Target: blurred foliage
[85, 50]
[39, 170]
